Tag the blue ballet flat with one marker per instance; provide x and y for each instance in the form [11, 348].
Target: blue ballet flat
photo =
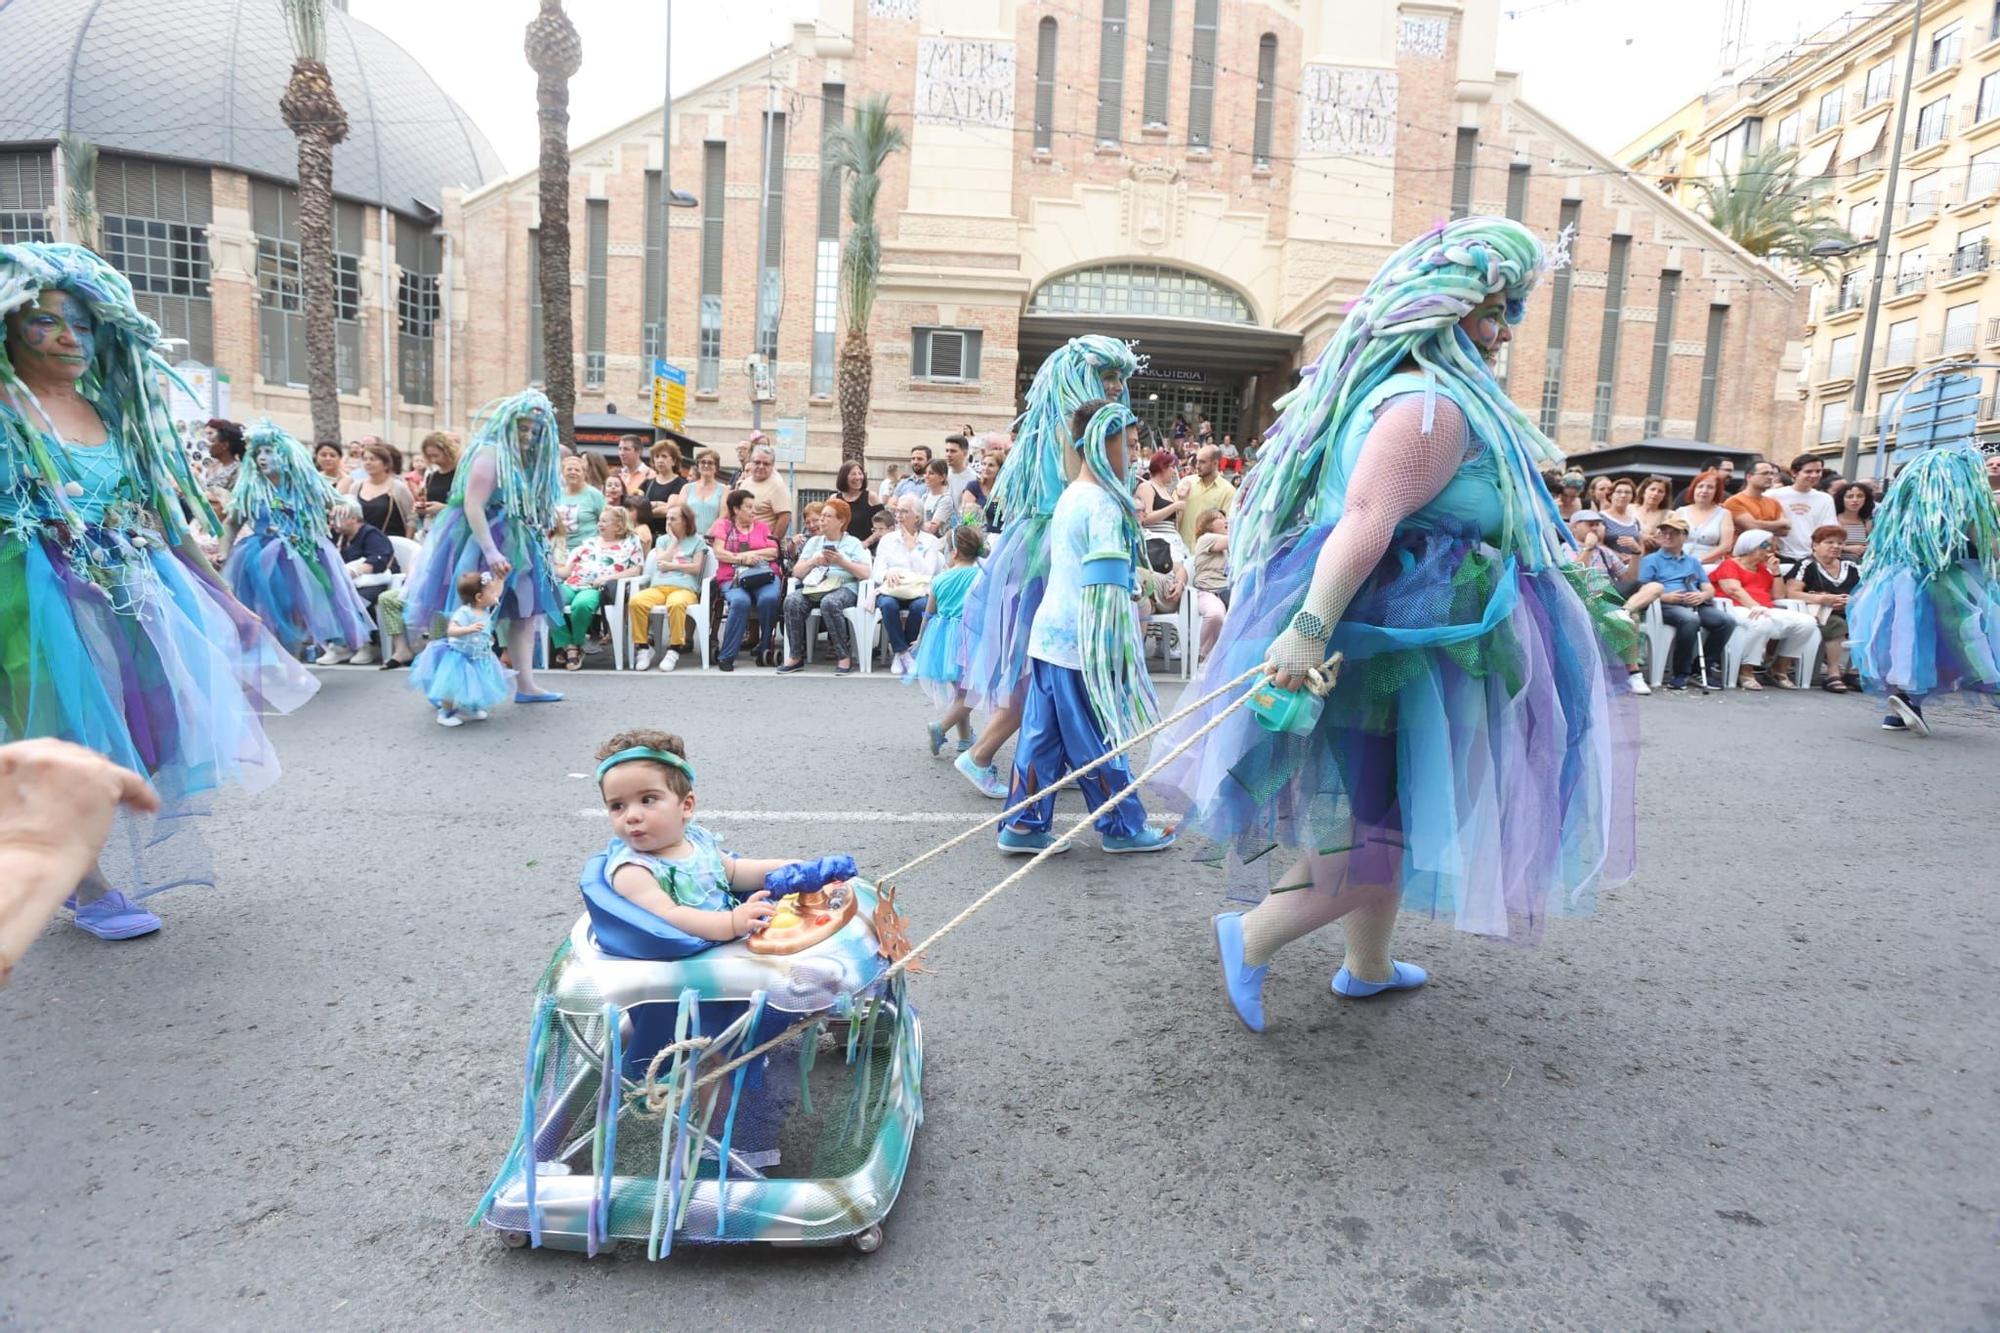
[1020, 842]
[1242, 983]
[1406, 976]
[545, 697]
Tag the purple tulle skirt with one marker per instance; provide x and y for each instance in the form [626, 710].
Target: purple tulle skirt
[1000, 611]
[1930, 636]
[305, 597]
[450, 550]
[1479, 749]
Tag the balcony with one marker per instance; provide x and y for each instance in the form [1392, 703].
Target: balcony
[1951, 343]
[1993, 332]
[1895, 360]
[1847, 301]
[1967, 266]
[1978, 121]
[1924, 143]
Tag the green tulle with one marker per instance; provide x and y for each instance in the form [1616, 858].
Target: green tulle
[1114, 662]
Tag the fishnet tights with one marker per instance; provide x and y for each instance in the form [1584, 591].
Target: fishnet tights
[1367, 912]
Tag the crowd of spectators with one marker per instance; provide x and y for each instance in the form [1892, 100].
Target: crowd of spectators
[1756, 569]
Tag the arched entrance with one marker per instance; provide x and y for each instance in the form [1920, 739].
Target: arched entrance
[1205, 352]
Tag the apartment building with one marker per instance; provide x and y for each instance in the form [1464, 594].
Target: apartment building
[1834, 98]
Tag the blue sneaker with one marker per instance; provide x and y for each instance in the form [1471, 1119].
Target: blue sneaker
[1242, 983]
[1145, 840]
[1908, 712]
[114, 917]
[937, 738]
[987, 780]
[1020, 842]
[539, 697]
[1402, 976]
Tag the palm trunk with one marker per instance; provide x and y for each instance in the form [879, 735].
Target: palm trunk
[316, 265]
[555, 54]
[855, 376]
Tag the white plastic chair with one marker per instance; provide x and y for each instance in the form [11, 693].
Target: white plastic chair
[1738, 646]
[395, 577]
[1659, 643]
[855, 622]
[1183, 623]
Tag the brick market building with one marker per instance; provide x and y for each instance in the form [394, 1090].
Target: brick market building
[1217, 190]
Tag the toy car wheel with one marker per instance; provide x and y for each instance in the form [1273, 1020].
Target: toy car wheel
[866, 1242]
[514, 1240]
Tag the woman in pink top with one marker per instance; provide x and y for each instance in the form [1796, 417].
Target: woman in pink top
[745, 555]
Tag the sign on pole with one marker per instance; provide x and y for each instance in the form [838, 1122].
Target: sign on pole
[670, 395]
[790, 441]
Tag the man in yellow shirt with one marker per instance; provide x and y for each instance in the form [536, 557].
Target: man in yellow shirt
[1207, 489]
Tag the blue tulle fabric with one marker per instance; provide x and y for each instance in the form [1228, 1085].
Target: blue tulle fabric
[451, 550]
[1000, 611]
[939, 664]
[449, 675]
[1927, 636]
[1480, 747]
[304, 595]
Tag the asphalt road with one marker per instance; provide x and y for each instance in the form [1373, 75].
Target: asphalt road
[1757, 1090]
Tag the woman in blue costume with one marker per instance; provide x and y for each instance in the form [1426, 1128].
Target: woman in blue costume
[498, 521]
[1000, 609]
[119, 636]
[1925, 619]
[278, 555]
[1474, 760]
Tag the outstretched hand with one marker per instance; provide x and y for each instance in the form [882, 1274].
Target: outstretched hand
[753, 913]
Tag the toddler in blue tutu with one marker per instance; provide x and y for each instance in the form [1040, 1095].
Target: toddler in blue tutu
[940, 661]
[458, 673]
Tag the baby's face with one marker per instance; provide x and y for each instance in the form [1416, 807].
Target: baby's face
[644, 811]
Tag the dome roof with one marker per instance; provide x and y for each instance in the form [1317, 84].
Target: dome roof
[199, 81]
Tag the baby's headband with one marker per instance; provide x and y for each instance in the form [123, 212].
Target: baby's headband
[667, 757]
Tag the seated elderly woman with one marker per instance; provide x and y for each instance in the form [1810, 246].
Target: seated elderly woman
[906, 558]
[1824, 584]
[586, 575]
[672, 579]
[827, 568]
[367, 555]
[1748, 584]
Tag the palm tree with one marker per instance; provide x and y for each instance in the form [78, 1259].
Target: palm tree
[314, 114]
[856, 151]
[79, 159]
[1769, 210]
[555, 53]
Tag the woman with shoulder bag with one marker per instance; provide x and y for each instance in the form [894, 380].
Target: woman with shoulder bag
[905, 560]
[745, 554]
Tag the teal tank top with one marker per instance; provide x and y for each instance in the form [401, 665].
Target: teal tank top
[1470, 504]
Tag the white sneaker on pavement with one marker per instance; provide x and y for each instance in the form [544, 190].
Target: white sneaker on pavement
[1639, 685]
[366, 657]
[332, 655]
[671, 660]
[642, 659]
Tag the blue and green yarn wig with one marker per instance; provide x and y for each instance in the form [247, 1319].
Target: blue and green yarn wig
[1033, 477]
[279, 484]
[1408, 315]
[1108, 637]
[123, 382]
[527, 474]
[1937, 512]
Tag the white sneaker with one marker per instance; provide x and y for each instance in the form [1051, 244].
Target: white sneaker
[900, 665]
[332, 655]
[449, 719]
[366, 657]
[671, 660]
[1639, 685]
[474, 715]
[642, 659]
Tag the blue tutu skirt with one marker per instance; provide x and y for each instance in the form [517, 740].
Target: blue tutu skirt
[449, 551]
[1930, 636]
[1000, 611]
[939, 665]
[445, 675]
[1479, 748]
[153, 665]
[304, 597]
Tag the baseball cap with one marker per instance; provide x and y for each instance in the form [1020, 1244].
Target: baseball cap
[1674, 521]
[1586, 516]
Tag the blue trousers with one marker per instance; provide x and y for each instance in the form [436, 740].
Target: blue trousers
[739, 602]
[1059, 734]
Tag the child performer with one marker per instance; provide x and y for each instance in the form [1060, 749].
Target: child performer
[458, 672]
[1000, 608]
[660, 859]
[940, 660]
[1087, 687]
[1926, 617]
[279, 556]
